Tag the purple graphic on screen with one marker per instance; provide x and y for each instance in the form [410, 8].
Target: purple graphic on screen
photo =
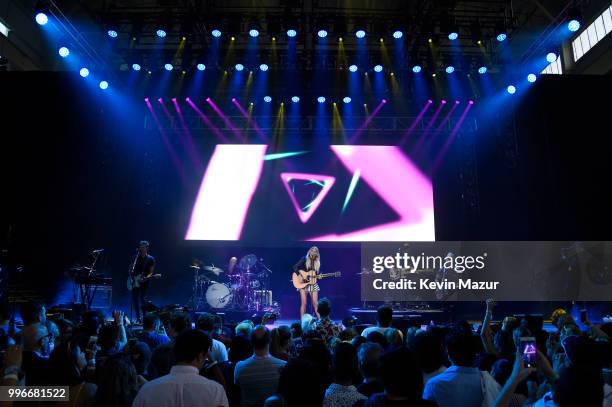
[326, 182]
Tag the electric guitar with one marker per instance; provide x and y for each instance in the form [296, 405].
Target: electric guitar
[137, 280]
[306, 278]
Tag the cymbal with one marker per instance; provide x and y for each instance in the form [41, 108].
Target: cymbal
[194, 267]
[213, 269]
[248, 261]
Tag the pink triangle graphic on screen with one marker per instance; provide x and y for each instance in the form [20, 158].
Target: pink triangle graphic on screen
[327, 182]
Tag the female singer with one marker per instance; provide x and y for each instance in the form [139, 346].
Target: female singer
[310, 262]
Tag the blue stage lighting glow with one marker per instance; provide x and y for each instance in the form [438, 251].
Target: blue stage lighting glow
[41, 18]
[482, 70]
[295, 99]
[263, 67]
[450, 69]
[161, 33]
[573, 25]
[267, 99]
[511, 89]
[501, 37]
[103, 85]
[416, 68]
[168, 67]
[353, 68]
[322, 33]
[112, 33]
[63, 52]
[291, 33]
[201, 67]
[216, 33]
[84, 72]
[398, 34]
[453, 36]
[551, 57]
[360, 33]
[239, 67]
[321, 99]
[136, 67]
[254, 32]
[347, 99]
[531, 78]
[378, 68]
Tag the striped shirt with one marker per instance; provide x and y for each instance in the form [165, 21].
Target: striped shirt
[257, 378]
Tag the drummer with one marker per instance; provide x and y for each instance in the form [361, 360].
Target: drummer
[231, 267]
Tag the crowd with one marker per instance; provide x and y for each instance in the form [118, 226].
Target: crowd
[174, 361]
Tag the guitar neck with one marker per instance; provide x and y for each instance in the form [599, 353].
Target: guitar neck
[326, 275]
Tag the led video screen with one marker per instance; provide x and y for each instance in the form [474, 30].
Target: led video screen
[337, 193]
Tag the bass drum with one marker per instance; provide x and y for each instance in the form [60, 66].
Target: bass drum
[218, 295]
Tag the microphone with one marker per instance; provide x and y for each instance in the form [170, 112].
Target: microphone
[97, 251]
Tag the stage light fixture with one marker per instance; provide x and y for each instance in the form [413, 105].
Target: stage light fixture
[511, 89]
[216, 33]
[201, 67]
[453, 36]
[457, 102]
[254, 33]
[346, 99]
[384, 101]
[291, 33]
[531, 78]
[551, 57]
[501, 37]
[321, 99]
[416, 68]
[263, 67]
[397, 34]
[353, 68]
[360, 33]
[103, 85]
[136, 67]
[41, 18]
[63, 52]
[84, 72]
[378, 68]
[471, 102]
[295, 99]
[573, 25]
[267, 99]
[322, 33]
[574, 16]
[161, 33]
[168, 67]
[112, 33]
[482, 70]
[450, 69]
[501, 31]
[239, 67]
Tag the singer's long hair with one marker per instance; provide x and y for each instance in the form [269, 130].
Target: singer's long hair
[317, 262]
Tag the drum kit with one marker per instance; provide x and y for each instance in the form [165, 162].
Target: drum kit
[245, 288]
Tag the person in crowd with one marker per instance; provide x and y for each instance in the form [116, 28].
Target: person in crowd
[66, 330]
[394, 338]
[384, 318]
[112, 338]
[140, 355]
[184, 386]
[69, 365]
[33, 312]
[240, 350]
[325, 326]
[429, 348]
[296, 339]
[218, 352]
[462, 383]
[315, 352]
[162, 358]
[6, 323]
[369, 366]
[118, 383]
[257, 376]
[358, 341]
[153, 332]
[244, 328]
[342, 392]
[347, 335]
[377, 337]
[54, 334]
[291, 386]
[35, 363]
[280, 342]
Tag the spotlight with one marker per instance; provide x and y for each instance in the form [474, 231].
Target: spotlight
[201, 67]
[291, 33]
[384, 100]
[353, 68]
[41, 18]
[443, 101]
[531, 78]
[573, 25]
[233, 99]
[457, 102]
[136, 67]
[103, 85]
[416, 68]
[360, 33]
[253, 32]
[429, 101]
[295, 99]
[511, 89]
[84, 72]
[433, 75]
[112, 33]
[453, 36]
[267, 99]
[321, 99]
[263, 67]
[471, 102]
[239, 67]
[378, 68]
[216, 33]
[573, 18]
[398, 34]
[168, 67]
[450, 69]
[346, 99]
[64, 52]
[322, 33]
[501, 37]
[482, 70]
[161, 33]
[551, 57]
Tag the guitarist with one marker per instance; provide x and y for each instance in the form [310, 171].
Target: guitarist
[310, 262]
[143, 265]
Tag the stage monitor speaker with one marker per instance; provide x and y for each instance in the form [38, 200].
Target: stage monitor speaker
[103, 298]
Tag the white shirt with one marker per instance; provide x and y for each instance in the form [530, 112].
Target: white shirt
[182, 387]
[218, 351]
[369, 329]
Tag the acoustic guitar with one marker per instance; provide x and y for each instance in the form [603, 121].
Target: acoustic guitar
[306, 278]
